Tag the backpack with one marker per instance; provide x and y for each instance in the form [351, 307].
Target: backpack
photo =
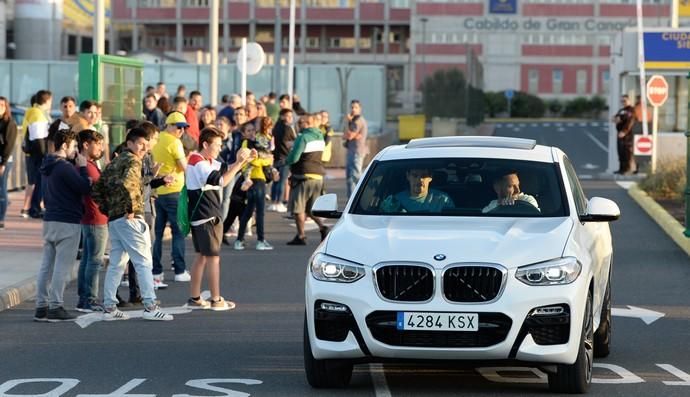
[183, 217]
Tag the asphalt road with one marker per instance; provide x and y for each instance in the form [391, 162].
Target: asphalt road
[257, 348]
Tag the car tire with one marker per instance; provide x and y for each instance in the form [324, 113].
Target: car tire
[324, 374]
[602, 338]
[576, 378]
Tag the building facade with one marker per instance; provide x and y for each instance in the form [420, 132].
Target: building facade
[551, 48]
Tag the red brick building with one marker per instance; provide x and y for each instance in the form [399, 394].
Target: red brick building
[553, 48]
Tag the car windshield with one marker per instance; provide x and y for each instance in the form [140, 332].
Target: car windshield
[462, 187]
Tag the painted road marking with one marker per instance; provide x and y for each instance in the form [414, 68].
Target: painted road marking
[546, 125]
[586, 176]
[597, 142]
[677, 373]
[561, 129]
[646, 315]
[516, 129]
[67, 384]
[378, 378]
[625, 184]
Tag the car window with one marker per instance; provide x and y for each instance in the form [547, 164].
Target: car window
[461, 187]
[575, 187]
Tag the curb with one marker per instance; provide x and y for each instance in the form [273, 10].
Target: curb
[25, 290]
[669, 224]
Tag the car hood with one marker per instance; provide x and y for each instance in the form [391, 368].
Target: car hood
[511, 242]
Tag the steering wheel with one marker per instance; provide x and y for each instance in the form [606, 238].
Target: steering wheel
[520, 207]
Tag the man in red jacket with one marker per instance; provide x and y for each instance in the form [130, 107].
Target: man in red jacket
[94, 227]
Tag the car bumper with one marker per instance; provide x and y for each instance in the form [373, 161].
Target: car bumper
[352, 335]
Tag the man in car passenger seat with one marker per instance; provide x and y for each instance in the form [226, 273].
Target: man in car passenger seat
[507, 188]
[419, 198]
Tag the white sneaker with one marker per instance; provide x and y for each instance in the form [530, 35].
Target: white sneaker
[222, 305]
[156, 314]
[158, 282]
[114, 314]
[238, 246]
[281, 208]
[263, 246]
[183, 277]
[271, 208]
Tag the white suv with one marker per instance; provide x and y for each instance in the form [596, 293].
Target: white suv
[463, 248]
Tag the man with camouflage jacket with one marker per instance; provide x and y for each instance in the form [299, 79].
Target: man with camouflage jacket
[119, 194]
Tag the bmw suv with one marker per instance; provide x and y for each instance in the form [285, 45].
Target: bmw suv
[463, 248]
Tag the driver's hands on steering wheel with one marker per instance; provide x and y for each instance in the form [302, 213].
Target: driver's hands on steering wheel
[507, 200]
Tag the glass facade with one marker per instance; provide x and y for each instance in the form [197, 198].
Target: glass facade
[328, 87]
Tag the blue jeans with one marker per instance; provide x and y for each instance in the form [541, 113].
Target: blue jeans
[278, 188]
[255, 200]
[129, 239]
[94, 239]
[4, 198]
[166, 212]
[353, 170]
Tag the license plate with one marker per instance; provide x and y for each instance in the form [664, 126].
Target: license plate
[408, 321]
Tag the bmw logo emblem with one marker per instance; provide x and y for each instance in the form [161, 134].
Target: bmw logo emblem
[439, 257]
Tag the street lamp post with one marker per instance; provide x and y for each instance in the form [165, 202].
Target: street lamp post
[423, 21]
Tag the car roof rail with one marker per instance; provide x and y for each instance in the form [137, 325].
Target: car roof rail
[473, 141]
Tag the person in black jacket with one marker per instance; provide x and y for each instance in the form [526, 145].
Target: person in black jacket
[284, 136]
[8, 138]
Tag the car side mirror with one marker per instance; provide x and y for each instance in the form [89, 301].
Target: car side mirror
[326, 206]
[601, 210]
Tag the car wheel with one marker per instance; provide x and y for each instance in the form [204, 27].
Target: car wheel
[602, 338]
[577, 377]
[324, 373]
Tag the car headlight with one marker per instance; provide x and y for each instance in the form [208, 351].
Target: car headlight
[554, 272]
[328, 268]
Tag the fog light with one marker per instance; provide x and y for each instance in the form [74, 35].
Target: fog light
[334, 307]
[548, 311]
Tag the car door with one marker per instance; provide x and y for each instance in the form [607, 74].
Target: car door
[590, 236]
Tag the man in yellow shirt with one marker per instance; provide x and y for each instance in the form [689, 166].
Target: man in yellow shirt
[169, 153]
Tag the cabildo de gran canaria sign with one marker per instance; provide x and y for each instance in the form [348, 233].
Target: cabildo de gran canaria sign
[498, 24]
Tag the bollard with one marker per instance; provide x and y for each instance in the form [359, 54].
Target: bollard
[687, 171]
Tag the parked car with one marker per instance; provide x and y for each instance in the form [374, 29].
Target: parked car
[463, 248]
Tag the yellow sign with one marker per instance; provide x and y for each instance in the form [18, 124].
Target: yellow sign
[683, 8]
[80, 13]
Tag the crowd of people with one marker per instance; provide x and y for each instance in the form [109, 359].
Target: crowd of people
[211, 171]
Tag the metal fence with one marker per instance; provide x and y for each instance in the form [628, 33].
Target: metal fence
[327, 87]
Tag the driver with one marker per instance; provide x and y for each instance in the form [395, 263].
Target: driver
[418, 197]
[507, 188]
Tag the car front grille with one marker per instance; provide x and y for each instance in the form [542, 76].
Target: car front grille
[493, 329]
[472, 284]
[405, 283]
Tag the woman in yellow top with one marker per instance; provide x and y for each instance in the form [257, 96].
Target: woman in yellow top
[255, 172]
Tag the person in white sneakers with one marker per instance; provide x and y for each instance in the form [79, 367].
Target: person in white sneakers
[205, 178]
[119, 193]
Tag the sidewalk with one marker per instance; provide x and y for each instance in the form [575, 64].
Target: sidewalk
[21, 246]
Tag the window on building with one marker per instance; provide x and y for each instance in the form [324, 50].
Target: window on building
[557, 81]
[264, 36]
[330, 3]
[313, 42]
[195, 3]
[605, 81]
[533, 81]
[400, 3]
[152, 3]
[581, 82]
